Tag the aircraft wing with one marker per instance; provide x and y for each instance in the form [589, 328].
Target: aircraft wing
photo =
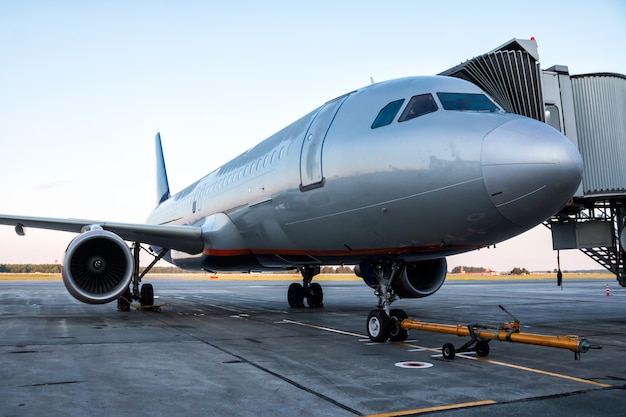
[183, 238]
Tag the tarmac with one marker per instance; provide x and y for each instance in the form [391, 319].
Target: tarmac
[235, 348]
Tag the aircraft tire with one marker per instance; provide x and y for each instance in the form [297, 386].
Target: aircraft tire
[396, 332]
[378, 324]
[123, 303]
[448, 351]
[147, 296]
[295, 295]
[315, 296]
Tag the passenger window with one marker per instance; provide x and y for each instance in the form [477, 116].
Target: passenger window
[387, 114]
[467, 102]
[418, 106]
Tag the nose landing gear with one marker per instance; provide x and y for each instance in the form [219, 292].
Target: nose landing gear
[383, 323]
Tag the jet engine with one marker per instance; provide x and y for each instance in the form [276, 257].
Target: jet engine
[416, 280]
[98, 267]
[421, 278]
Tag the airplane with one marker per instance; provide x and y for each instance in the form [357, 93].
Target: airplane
[391, 178]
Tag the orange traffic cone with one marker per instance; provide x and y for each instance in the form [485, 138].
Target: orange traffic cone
[608, 290]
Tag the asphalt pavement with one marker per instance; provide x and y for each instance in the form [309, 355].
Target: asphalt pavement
[236, 348]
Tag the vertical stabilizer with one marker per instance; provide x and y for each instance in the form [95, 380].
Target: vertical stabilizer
[163, 187]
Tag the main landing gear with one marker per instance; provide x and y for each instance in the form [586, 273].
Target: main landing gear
[145, 295]
[311, 290]
[384, 323]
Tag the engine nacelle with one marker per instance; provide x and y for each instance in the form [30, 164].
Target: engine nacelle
[421, 278]
[417, 279]
[98, 267]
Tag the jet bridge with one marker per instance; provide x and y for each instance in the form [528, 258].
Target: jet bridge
[590, 109]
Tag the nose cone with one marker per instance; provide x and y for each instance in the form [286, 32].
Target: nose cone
[530, 170]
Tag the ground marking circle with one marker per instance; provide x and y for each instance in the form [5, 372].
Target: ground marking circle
[413, 365]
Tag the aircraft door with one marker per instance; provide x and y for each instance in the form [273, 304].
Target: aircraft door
[311, 175]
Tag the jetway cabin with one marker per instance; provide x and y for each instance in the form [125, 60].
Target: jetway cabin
[590, 109]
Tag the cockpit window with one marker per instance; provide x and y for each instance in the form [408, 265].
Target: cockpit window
[467, 102]
[418, 106]
[387, 114]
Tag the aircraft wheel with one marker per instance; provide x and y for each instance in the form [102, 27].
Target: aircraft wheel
[123, 303]
[482, 348]
[448, 351]
[147, 296]
[396, 332]
[295, 295]
[315, 295]
[378, 324]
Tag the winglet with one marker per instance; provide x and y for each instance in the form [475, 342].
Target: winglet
[163, 187]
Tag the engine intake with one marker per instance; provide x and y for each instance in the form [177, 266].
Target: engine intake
[421, 278]
[98, 267]
[417, 279]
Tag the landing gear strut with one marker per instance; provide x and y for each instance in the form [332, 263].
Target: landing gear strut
[145, 296]
[312, 291]
[383, 323]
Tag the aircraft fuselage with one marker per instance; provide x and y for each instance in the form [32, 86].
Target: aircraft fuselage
[417, 168]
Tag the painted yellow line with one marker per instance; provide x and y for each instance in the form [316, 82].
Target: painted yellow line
[432, 409]
[522, 368]
[539, 371]
[460, 355]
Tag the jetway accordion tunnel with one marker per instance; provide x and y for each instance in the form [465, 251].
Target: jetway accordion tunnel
[590, 109]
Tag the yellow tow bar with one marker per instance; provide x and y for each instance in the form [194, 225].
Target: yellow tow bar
[155, 307]
[508, 332]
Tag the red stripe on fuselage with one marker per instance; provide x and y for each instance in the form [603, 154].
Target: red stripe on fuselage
[333, 253]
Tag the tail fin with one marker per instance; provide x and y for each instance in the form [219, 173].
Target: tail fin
[163, 187]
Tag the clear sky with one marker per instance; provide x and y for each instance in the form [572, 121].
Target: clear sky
[85, 86]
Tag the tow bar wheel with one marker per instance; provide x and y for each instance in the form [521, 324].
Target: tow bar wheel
[448, 351]
[482, 348]
[378, 326]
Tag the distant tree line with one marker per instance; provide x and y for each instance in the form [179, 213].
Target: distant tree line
[56, 269]
[30, 268]
[480, 269]
[166, 270]
[468, 269]
[337, 270]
